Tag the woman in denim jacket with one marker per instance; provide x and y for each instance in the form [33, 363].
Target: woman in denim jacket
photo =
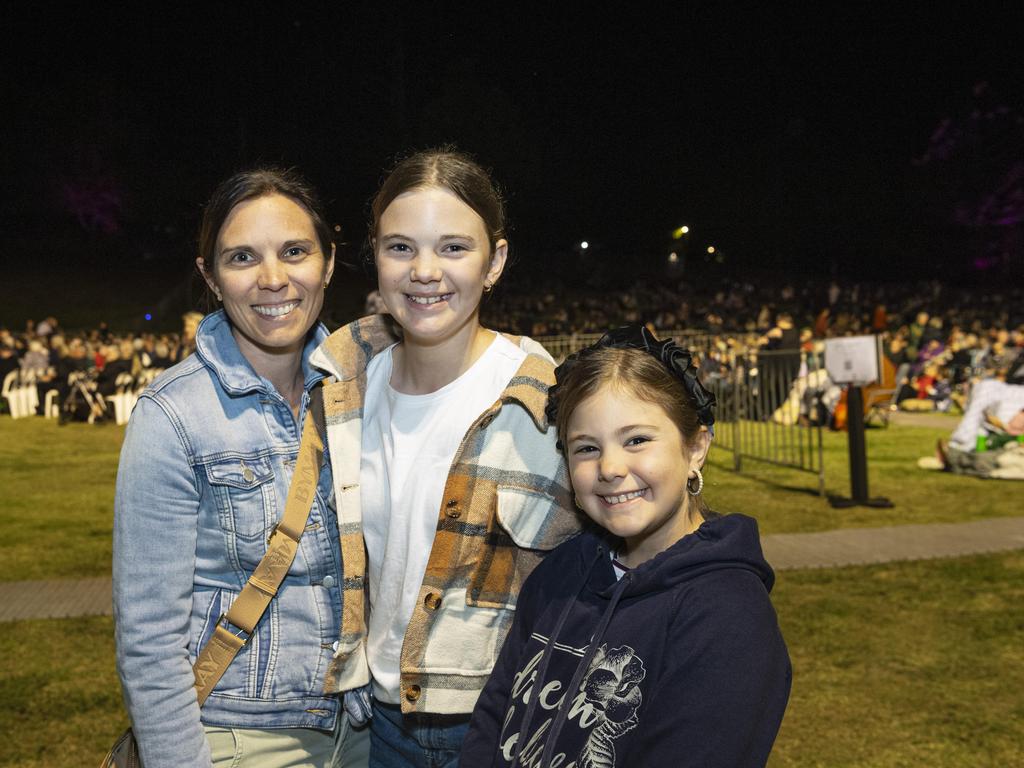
[205, 469]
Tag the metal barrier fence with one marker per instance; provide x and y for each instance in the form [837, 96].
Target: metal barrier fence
[769, 402]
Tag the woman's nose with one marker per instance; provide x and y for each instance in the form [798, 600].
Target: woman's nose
[273, 275]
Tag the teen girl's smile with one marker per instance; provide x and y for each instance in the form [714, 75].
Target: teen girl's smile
[434, 261]
[629, 466]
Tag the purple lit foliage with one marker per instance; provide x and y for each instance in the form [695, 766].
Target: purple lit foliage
[978, 163]
[96, 203]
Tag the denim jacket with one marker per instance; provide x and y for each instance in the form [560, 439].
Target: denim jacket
[204, 473]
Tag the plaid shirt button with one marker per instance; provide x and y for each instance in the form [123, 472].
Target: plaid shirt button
[412, 693]
[432, 601]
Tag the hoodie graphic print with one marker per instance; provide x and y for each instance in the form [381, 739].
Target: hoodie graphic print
[680, 662]
[603, 709]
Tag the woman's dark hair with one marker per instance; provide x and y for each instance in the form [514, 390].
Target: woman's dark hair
[259, 181]
[449, 168]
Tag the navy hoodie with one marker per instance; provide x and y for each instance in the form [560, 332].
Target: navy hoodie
[678, 663]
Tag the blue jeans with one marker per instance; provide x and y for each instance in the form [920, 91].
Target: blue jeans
[415, 741]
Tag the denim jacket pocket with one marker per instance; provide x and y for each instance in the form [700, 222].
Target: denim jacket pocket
[245, 494]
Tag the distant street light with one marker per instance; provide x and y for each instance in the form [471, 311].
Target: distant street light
[584, 245]
[673, 257]
[677, 234]
[711, 249]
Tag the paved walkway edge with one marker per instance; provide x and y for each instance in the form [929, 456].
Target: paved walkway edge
[869, 546]
[21, 600]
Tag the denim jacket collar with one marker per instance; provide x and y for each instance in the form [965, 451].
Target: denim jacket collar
[217, 348]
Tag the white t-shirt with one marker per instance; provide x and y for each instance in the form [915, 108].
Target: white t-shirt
[409, 442]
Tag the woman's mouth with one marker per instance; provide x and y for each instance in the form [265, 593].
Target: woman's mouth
[275, 310]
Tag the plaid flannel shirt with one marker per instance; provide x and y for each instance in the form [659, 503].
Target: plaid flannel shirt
[506, 502]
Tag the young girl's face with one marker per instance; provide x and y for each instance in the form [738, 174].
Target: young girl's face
[434, 261]
[629, 466]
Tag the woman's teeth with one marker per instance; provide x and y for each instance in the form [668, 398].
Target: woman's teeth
[275, 310]
[624, 497]
[427, 299]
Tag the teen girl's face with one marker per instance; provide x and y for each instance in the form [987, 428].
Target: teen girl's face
[270, 272]
[433, 262]
[629, 466]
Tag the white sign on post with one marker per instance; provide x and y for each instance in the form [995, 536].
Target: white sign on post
[853, 359]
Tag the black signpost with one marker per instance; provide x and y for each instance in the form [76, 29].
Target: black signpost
[858, 455]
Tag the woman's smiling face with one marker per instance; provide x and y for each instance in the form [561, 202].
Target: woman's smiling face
[434, 261]
[270, 271]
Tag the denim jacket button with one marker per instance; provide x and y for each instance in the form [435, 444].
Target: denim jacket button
[335, 645]
[328, 581]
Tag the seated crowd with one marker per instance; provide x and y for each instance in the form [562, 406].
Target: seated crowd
[938, 339]
[83, 370]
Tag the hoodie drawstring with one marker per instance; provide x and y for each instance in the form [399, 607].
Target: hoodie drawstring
[581, 670]
[546, 659]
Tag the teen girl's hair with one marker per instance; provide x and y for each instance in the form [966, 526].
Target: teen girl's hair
[453, 170]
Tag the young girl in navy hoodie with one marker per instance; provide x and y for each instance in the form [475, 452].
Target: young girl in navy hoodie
[649, 639]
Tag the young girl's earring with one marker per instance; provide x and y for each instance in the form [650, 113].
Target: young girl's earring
[488, 287]
[216, 292]
[695, 491]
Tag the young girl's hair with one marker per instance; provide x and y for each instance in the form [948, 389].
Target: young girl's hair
[453, 170]
[631, 359]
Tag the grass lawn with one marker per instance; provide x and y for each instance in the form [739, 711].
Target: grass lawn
[901, 665]
[907, 664]
[56, 498]
[57, 492]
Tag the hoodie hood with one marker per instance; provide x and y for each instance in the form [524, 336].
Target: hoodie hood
[724, 541]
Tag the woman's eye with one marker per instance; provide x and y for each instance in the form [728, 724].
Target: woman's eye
[241, 257]
[296, 251]
[455, 248]
[638, 440]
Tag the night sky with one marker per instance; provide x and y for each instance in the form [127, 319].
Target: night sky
[800, 140]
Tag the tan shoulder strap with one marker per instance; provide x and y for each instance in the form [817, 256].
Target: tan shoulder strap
[252, 602]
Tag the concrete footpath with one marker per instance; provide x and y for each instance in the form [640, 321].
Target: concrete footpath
[21, 600]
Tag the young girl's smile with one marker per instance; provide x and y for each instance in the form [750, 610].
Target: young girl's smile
[434, 261]
[629, 466]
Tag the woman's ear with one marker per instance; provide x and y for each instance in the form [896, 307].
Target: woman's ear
[329, 271]
[201, 266]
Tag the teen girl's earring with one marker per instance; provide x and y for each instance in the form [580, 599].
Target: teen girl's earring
[695, 488]
[488, 287]
[216, 292]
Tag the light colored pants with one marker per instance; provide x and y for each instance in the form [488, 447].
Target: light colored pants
[348, 747]
[1003, 400]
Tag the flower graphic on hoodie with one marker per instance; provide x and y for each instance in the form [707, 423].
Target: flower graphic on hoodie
[612, 688]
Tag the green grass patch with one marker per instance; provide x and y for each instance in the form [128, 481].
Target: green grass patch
[57, 492]
[787, 501]
[60, 692]
[56, 498]
[894, 666]
[908, 664]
